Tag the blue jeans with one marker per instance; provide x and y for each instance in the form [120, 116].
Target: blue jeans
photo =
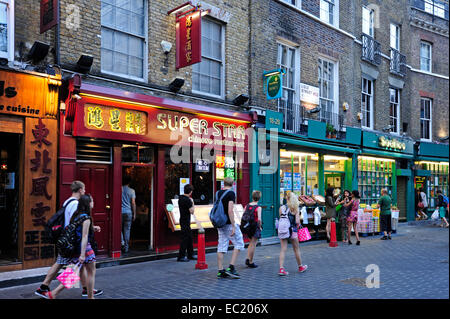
[127, 219]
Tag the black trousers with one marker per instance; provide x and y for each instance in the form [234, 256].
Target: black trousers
[385, 223]
[186, 246]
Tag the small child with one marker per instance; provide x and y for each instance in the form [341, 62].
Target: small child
[256, 196]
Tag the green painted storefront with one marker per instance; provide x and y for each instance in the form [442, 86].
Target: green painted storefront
[372, 161]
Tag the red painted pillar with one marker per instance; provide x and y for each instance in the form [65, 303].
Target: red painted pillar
[333, 241]
[201, 258]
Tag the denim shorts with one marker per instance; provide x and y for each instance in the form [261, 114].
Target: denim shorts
[225, 237]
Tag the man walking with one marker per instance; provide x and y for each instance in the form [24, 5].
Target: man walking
[228, 232]
[186, 206]
[71, 205]
[384, 204]
[128, 211]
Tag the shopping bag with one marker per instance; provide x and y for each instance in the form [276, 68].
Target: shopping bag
[70, 276]
[303, 234]
[435, 215]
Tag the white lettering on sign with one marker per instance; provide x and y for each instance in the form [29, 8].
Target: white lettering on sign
[394, 143]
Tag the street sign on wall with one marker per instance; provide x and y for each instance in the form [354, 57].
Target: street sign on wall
[273, 84]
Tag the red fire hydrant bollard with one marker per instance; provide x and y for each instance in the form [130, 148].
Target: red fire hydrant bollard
[333, 241]
[201, 262]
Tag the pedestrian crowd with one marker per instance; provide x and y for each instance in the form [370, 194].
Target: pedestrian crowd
[343, 208]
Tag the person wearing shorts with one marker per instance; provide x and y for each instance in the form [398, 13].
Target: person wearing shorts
[228, 233]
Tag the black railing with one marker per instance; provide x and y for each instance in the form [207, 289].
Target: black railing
[398, 63]
[295, 117]
[370, 50]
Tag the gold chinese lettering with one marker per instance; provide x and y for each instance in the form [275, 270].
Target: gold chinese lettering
[114, 120]
[129, 125]
[95, 117]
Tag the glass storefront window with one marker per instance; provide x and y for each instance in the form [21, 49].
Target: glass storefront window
[173, 175]
[373, 175]
[438, 179]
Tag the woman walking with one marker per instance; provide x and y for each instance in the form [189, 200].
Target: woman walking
[330, 206]
[256, 196]
[343, 214]
[352, 218]
[441, 205]
[291, 211]
[85, 236]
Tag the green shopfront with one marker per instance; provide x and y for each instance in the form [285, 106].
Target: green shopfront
[431, 170]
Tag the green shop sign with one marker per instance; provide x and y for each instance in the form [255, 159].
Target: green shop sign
[391, 143]
[273, 84]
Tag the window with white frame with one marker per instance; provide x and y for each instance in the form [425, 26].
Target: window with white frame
[395, 36]
[288, 61]
[425, 56]
[367, 103]
[394, 110]
[367, 21]
[208, 76]
[327, 89]
[425, 118]
[436, 8]
[7, 29]
[123, 45]
[295, 3]
[329, 10]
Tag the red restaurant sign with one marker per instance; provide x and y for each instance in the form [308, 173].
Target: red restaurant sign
[189, 39]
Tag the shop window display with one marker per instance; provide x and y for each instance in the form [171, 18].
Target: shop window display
[438, 179]
[373, 175]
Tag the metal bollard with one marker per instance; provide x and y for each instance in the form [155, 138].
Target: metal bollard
[333, 241]
[201, 260]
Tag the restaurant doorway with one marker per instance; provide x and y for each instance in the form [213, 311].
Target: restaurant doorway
[141, 233]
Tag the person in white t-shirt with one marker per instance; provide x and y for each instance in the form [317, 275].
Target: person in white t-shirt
[78, 189]
[423, 196]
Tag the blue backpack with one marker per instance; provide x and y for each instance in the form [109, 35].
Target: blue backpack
[445, 199]
[217, 214]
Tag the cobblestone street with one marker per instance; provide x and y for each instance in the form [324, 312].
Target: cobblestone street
[414, 264]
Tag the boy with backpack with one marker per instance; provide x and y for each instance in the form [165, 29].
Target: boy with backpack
[442, 203]
[222, 217]
[69, 207]
[251, 226]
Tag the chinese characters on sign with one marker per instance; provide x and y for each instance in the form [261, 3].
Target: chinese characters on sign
[115, 120]
[37, 245]
[188, 40]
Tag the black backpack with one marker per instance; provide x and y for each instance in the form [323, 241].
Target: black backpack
[248, 222]
[68, 243]
[55, 224]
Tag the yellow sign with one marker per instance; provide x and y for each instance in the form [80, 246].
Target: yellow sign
[391, 143]
[113, 119]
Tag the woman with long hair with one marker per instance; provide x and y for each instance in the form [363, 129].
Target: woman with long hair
[292, 210]
[85, 254]
[352, 218]
[330, 206]
[343, 214]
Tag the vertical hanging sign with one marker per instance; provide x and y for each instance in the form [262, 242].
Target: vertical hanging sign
[189, 39]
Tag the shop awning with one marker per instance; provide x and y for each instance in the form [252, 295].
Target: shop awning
[319, 145]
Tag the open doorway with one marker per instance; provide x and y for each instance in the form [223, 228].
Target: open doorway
[141, 233]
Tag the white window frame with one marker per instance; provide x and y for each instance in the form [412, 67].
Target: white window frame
[396, 105]
[430, 58]
[370, 97]
[430, 120]
[335, 99]
[9, 54]
[296, 73]
[297, 4]
[222, 68]
[325, 14]
[370, 22]
[395, 28]
[145, 54]
[435, 8]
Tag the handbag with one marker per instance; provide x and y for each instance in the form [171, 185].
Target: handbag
[70, 276]
[420, 205]
[435, 215]
[338, 208]
[303, 234]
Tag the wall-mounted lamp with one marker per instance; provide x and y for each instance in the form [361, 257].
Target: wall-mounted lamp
[359, 116]
[240, 99]
[345, 106]
[166, 46]
[38, 51]
[176, 85]
[84, 63]
[314, 110]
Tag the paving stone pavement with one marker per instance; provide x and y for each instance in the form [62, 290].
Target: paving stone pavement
[413, 265]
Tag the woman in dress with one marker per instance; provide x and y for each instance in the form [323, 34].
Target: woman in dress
[343, 214]
[352, 218]
[330, 206]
